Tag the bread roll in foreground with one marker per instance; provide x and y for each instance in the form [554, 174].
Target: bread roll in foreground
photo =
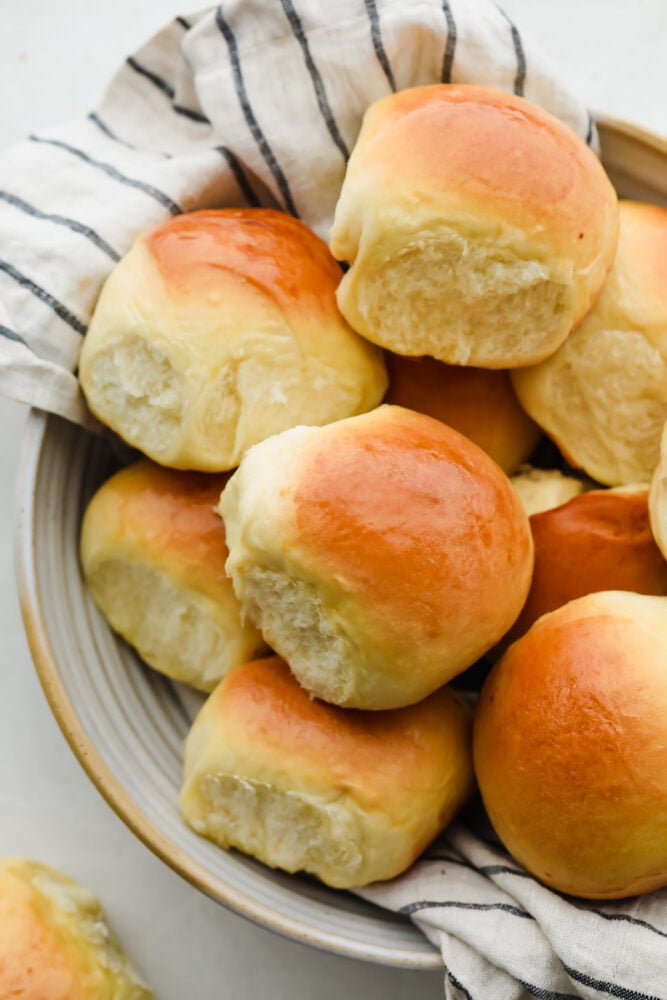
[600, 540]
[219, 329]
[570, 746]
[602, 396]
[54, 940]
[478, 227]
[380, 555]
[479, 403]
[351, 797]
[153, 554]
[658, 498]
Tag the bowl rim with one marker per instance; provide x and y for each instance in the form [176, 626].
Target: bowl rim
[90, 759]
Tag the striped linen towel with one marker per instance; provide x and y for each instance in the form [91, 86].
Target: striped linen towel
[257, 103]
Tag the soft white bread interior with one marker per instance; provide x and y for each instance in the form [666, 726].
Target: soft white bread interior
[602, 396]
[219, 329]
[478, 227]
[351, 797]
[658, 498]
[542, 489]
[153, 554]
[479, 403]
[380, 555]
[55, 943]
[570, 746]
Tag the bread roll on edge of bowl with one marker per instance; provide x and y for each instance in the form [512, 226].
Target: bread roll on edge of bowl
[351, 797]
[477, 402]
[602, 396]
[657, 500]
[153, 554]
[380, 556]
[218, 329]
[570, 746]
[478, 227]
[54, 940]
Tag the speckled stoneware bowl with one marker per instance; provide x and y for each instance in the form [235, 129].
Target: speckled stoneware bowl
[126, 724]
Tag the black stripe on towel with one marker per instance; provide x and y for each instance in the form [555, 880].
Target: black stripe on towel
[11, 335]
[589, 133]
[183, 23]
[106, 168]
[450, 48]
[239, 176]
[318, 85]
[103, 127]
[62, 220]
[631, 920]
[376, 36]
[543, 994]
[428, 904]
[44, 296]
[167, 90]
[611, 989]
[520, 77]
[458, 985]
[248, 114]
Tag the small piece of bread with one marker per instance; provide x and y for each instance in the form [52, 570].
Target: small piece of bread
[478, 227]
[479, 403]
[600, 540]
[542, 489]
[54, 940]
[602, 396]
[657, 501]
[351, 797]
[219, 329]
[380, 555]
[570, 746]
[153, 554]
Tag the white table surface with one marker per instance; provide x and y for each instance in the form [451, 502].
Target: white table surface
[55, 59]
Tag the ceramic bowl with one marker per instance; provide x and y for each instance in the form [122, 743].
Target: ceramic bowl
[126, 724]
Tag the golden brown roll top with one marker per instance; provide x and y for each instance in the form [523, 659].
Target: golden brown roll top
[54, 940]
[570, 746]
[219, 329]
[349, 796]
[479, 227]
[476, 402]
[602, 396]
[600, 540]
[380, 555]
[153, 553]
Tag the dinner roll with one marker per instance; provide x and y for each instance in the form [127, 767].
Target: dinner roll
[219, 329]
[603, 395]
[570, 746]
[542, 489]
[153, 554]
[54, 940]
[477, 402]
[380, 555]
[658, 498]
[599, 540]
[351, 797]
[478, 227]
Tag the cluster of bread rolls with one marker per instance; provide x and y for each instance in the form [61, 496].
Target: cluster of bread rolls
[362, 556]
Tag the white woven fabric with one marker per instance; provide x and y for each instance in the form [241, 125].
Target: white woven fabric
[260, 103]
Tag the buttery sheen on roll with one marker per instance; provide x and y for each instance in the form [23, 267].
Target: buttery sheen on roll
[380, 555]
[478, 227]
[351, 797]
[153, 554]
[570, 746]
[219, 329]
[54, 940]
